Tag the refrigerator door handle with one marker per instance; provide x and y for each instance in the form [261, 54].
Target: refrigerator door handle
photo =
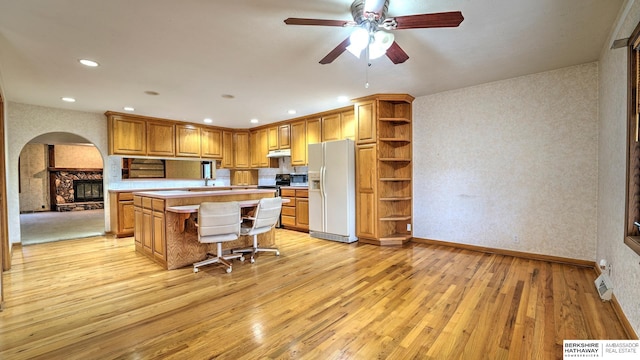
[323, 197]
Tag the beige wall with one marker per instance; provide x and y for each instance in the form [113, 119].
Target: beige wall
[510, 164]
[77, 157]
[34, 178]
[625, 269]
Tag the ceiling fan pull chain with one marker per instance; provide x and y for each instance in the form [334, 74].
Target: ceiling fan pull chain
[366, 72]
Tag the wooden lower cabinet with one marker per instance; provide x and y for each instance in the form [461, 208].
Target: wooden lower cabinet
[122, 213]
[295, 213]
[150, 237]
[159, 243]
[302, 212]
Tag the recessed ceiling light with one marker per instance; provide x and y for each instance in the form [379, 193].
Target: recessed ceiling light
[208, 121]
[343, 98]
[228, 96]
[151, 92]
[128, 108]
[291, 112]
[89, 63]
[254, 121]
[68, 99]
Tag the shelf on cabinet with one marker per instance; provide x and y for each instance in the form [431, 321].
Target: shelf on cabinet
[403, 198]
[402, 237]
[399, 121]
[396, 159]
[395, 140]
[396, 218]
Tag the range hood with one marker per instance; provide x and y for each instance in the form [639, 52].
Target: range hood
[279, 153]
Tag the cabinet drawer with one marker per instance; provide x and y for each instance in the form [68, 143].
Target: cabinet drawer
[146, 203]
[288, 220]
[137, 200]
[288, 192]
[125, 196]
[292, 201]
[158, 205]
[302, 193]
[288, 211]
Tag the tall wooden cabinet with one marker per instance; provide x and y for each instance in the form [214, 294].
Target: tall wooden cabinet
[384, 169]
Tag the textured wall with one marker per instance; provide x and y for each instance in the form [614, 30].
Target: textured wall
[625, 270]
[34, 180]
[510, 164]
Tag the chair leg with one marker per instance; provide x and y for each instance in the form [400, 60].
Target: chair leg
[255, 249]
[219, 258]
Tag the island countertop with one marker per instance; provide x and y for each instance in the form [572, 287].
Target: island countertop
[181, 194]
[188, 188]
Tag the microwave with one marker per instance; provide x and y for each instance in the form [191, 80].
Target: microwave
[298, 179]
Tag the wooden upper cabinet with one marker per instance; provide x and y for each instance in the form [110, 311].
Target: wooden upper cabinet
[160, 139]
[331, 127]
[299, 143]
[187, 141]
[273, 138]
[127, 136]
[279, 137]
[348, 124]
[254, 144]
[365, 112]
[314, 134]
[284, 136]
[263, 150]
[241, 151]
[227, 150]
[211, 143]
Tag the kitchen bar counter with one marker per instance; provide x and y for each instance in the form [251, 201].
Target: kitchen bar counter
[189, 188]
[170, 237]
[121, 204]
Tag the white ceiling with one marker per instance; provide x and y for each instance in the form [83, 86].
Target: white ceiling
[193, 51]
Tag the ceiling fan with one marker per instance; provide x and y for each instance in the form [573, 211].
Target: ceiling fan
[370, 20]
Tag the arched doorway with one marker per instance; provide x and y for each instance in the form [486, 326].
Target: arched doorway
[61, 191]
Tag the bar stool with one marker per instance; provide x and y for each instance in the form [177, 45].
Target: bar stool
[266, 216]
[218, 222]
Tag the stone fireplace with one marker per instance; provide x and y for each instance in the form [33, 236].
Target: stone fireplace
[77, 189]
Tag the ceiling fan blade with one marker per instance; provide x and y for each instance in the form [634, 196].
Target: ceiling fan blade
[335, 52]
[396, 54]
[435, 20]
[318, 22]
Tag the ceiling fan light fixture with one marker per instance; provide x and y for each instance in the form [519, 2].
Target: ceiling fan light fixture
[381, 42]
[359, 39]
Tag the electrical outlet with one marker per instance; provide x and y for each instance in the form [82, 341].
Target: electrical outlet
[516, 239]
[408, 227]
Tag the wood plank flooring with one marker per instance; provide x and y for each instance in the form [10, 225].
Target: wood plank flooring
[97, 299]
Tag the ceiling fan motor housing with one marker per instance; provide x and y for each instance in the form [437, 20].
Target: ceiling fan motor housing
[360, 16]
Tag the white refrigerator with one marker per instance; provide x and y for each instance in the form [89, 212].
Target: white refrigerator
[332, 193]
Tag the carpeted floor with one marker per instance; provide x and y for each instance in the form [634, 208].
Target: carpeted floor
[50, 226]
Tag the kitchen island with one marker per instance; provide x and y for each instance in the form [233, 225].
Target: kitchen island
[169, 236]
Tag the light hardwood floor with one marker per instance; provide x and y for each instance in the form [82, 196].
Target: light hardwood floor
[97, 299]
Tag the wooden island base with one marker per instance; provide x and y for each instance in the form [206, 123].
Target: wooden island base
[170, 238]
[184, 249]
